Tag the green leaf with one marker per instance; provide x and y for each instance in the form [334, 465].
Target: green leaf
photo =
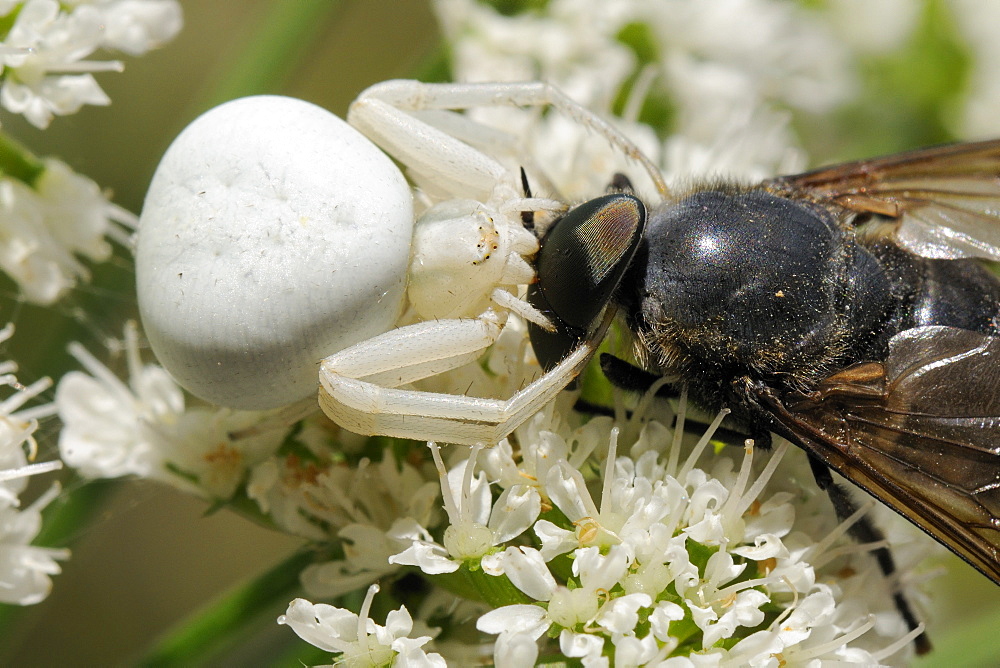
[476, 585]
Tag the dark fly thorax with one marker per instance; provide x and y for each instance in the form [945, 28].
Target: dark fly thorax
[748, 284]
[953, 293]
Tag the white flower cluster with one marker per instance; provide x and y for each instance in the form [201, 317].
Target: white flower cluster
[665, 561]
[660, 560]
[51, 216]
[112, 429]
[47, 224]
[25, 569]
[359, 640]
[576, 550]
[43, 53]
[361, 505]
[728, 70]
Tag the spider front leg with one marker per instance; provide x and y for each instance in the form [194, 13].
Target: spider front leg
[407, 119]
[358, 385]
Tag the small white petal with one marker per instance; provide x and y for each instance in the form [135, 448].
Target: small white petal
[620, 615]
[417, 658]
[722, 568]
[474, 506]
[759, 649]
[399, 623]
[775, 516]
[555, 540]
[428, 557]
[520, 619]
[514, 650]
[766, 546]
[514, 512]
[601, 571]
[568, 491]
[136, 26]
[528, 572]
[659, 620]
[632, 651]
[322, 625]
[579, 645]
[745, 611]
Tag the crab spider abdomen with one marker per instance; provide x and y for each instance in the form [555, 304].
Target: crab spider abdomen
[273, 234]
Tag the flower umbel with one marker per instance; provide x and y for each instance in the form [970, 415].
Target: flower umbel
[43, 54]
[141, 427]
[25, 569]
[357, 639]
[54, 219]
[673, 563]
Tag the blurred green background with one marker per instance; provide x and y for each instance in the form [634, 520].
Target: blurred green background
[151, 556]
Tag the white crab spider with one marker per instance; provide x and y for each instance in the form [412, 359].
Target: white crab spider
[359, 384]
[274, 234]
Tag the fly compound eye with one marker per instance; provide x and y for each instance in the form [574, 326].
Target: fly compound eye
[582, 260]
[273, 234]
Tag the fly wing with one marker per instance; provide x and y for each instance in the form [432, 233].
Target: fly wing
[947, 198]
[921, 433]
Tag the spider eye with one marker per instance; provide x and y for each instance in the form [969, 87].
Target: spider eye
[580, 264]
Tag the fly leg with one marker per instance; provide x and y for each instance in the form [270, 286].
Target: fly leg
[865, 531]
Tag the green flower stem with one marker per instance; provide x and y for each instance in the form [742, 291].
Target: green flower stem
[216, 628]
[282, 40]
[476, 585]
[7, 22]
[436, 67]
[18, 162]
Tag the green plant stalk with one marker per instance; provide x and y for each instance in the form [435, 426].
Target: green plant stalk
[281, 41]
[17, 162]
[211, 631]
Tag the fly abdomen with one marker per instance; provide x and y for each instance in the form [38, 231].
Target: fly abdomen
[952, 293]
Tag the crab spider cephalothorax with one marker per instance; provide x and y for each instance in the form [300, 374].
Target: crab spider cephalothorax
[275, 235]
